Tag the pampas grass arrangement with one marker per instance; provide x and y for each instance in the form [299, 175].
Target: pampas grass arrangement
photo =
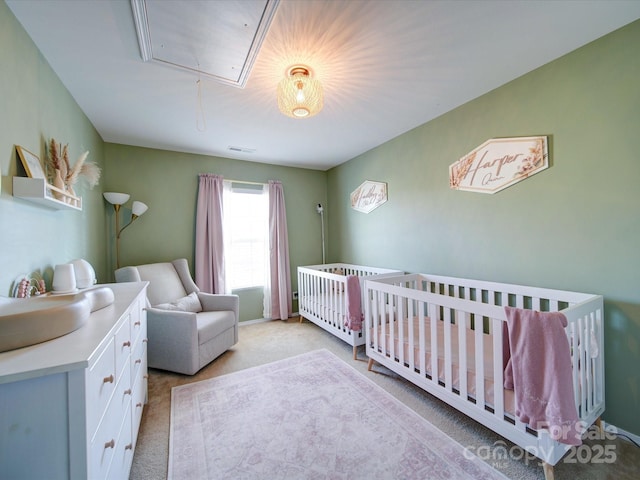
[58, 161]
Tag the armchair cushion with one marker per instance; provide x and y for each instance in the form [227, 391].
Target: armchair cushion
[190, 303]
[212, 324]
[165, 282]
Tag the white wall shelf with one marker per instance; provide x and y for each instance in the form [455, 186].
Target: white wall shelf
[37, 190]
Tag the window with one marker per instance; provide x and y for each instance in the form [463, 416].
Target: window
[246, 228]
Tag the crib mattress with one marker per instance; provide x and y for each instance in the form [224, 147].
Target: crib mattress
[487, 341]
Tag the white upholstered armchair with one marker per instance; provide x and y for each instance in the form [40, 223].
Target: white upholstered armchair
[186, 328]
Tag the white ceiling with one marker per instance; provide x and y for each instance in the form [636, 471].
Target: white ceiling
[386, 66]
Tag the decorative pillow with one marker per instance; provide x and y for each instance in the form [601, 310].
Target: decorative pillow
[190, 303]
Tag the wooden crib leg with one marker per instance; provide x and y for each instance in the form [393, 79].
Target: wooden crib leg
[548, 471]
[598, 423]
[370, 364]
[355, 352]
[300, 316]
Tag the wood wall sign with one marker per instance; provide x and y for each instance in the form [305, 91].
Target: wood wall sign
[499, 163]
[369, 196]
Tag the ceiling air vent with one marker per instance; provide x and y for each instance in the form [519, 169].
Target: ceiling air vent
[241, 149]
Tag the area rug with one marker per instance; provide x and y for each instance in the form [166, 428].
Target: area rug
[311, 416]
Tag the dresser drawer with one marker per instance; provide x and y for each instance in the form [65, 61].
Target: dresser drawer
[138, 322]
[106, 442]
[103, 445]
[123, 455]
[138, 356]
[101, 383]
[123, 345]
[139, 396]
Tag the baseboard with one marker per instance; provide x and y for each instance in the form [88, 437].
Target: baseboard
[623, 433]
[262, 320]
[244, 323]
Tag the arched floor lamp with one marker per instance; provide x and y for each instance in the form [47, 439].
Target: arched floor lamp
[320, 210]
[137, 209]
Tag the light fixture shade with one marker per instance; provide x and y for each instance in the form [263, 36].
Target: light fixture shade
[138, 208]
[116, 198]
[299, 94]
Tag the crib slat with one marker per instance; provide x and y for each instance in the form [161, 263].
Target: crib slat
[326, 311]
[310, 292]
[433, 321]
[385, 318]
[583, 359]
[340, 304]
[320, 292]
[393, 327]
[535, 304]
[479, 370]
[498, 369]
[519, 301]
[587, 364]
[330, 301]
[401, 333]
[422, 339]
[410, 333]
[599, 361]
[375, 319]
[448, 380]
[463, 320]
[585, 380]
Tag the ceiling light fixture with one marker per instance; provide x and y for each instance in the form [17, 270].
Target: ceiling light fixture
[299, 94]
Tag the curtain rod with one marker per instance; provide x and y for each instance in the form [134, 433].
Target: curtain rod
[244, 181]
[238, 181]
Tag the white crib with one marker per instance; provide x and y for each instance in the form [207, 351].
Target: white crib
[321, 296]
[420, 324]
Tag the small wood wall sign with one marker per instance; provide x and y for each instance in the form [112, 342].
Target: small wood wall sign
[499, 163]
[369, 196]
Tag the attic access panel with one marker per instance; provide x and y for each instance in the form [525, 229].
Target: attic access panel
[220, 39]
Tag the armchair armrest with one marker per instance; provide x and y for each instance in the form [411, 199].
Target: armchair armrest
[172, 336]
[212, 302]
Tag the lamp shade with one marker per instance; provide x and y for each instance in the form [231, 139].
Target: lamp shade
[299, 94]
[138, 208]
[116, 198]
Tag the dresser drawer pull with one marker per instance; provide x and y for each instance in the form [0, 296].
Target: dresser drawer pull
[127, 391]
[138, 405]
[108, 379]
[127, 344]
[138, 361]
[129, 447]
[136, 324]
[110, 444]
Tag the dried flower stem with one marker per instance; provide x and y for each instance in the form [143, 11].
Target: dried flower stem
[53, 154]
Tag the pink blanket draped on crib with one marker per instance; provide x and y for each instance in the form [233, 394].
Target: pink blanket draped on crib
[538, 369]
[353, 319]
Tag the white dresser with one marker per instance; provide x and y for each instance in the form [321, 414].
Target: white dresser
[70, 408]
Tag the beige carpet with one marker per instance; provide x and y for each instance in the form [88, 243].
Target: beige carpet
[266, 342]
[307, 416]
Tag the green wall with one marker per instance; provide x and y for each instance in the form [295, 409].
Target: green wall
[37, 107]
[168, 183]
[574, 226]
